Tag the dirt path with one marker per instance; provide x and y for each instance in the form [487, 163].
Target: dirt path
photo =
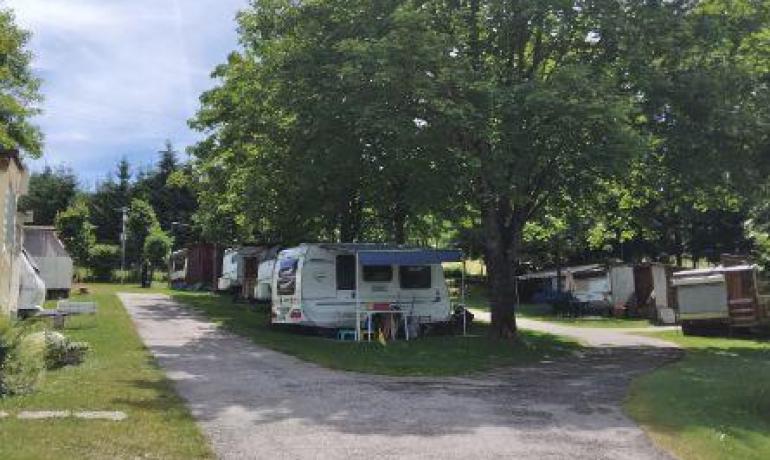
[593, 336]
[254, 403]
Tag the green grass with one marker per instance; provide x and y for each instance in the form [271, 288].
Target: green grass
[477, 298]
[439, 355]
[714, 404]
[118, 374]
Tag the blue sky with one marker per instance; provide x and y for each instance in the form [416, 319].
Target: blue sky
[121, 76]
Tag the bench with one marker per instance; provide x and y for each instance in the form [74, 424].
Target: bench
[68, 307]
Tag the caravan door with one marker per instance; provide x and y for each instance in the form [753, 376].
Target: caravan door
[286, 306]
[318, 279]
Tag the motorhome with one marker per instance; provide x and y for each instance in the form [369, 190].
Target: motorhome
[338, 285]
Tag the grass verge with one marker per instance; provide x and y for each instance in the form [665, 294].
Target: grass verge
[442, 355]
[714, 404]
[118, 374]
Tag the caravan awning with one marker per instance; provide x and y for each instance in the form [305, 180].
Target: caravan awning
[409, 257]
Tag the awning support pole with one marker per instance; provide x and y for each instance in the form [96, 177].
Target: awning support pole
[462, 298]
[358, 301]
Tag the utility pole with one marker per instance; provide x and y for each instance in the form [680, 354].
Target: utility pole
[123, 237]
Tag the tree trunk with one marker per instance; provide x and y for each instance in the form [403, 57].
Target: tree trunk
[398, 222]
[350, 219]
[500, 251]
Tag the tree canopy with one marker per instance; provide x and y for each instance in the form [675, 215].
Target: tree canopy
[625, 129]
[19, 89]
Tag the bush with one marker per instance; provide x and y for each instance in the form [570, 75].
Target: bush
[22, 360]
[60, 351]
[103, 260]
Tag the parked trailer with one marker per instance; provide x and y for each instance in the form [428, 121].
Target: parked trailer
[642, 290]
[240, 267]
[340, 285]
[719, 298]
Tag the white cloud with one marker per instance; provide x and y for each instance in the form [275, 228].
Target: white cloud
[120, 76]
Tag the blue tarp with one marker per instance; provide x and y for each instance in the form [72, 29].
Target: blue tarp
[409, 257]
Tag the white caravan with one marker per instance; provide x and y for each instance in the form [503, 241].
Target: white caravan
[331, 285]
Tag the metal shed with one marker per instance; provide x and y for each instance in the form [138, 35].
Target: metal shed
[51, 258]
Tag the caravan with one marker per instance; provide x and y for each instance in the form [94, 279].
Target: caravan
[339, 285]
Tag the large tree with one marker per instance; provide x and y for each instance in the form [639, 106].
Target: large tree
[539, 117]
[50, 192]
[76, 231]
[19, 89]
[328, 115]
[106, 203]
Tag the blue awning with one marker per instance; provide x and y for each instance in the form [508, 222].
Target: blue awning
[409, 257]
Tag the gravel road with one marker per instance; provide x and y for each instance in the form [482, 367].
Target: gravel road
[254, 403]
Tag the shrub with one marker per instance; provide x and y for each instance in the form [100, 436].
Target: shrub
[60, 351]
[103, 260]
[22, 360]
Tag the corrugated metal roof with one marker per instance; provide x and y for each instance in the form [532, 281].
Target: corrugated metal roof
[552, 273]
[43, 242]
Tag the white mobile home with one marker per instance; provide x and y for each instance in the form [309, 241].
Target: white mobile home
[241, 267]
[51, 258]
[336, 285]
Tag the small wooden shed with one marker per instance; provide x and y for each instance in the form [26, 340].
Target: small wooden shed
[198, 266]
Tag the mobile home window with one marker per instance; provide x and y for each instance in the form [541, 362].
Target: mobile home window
[378, 273]
[415, 276]
[346, 273]
[287, 277]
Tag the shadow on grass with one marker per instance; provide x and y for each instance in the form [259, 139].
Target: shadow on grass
[715, 403]
[432, 355]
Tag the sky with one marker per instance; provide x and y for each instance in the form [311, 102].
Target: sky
[122, 76]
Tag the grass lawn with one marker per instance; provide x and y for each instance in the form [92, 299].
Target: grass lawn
[445, 355]
[476, 297]
[714, 404]
[118, 374]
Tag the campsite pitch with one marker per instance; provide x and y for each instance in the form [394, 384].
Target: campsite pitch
[256, 403]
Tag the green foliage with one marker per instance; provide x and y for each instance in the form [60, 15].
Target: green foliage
[19, 89]
[169, 189]
[60, 351]
[50, 192]
[140, 224]
[332, 138]
[108, 200]
[76, 231]
[157, 248]
[22, 360]
[104, 258]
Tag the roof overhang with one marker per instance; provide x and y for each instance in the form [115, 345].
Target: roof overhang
[408, 256]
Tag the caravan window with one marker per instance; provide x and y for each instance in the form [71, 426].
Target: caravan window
[378, 273]
[287, 277]
[346, 273]
[415, 276]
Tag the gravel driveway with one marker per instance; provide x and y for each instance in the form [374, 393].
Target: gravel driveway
[254, 403]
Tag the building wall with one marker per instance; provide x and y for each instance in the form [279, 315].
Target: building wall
[13, 184]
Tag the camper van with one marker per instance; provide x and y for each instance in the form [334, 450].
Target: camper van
[333, 285]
